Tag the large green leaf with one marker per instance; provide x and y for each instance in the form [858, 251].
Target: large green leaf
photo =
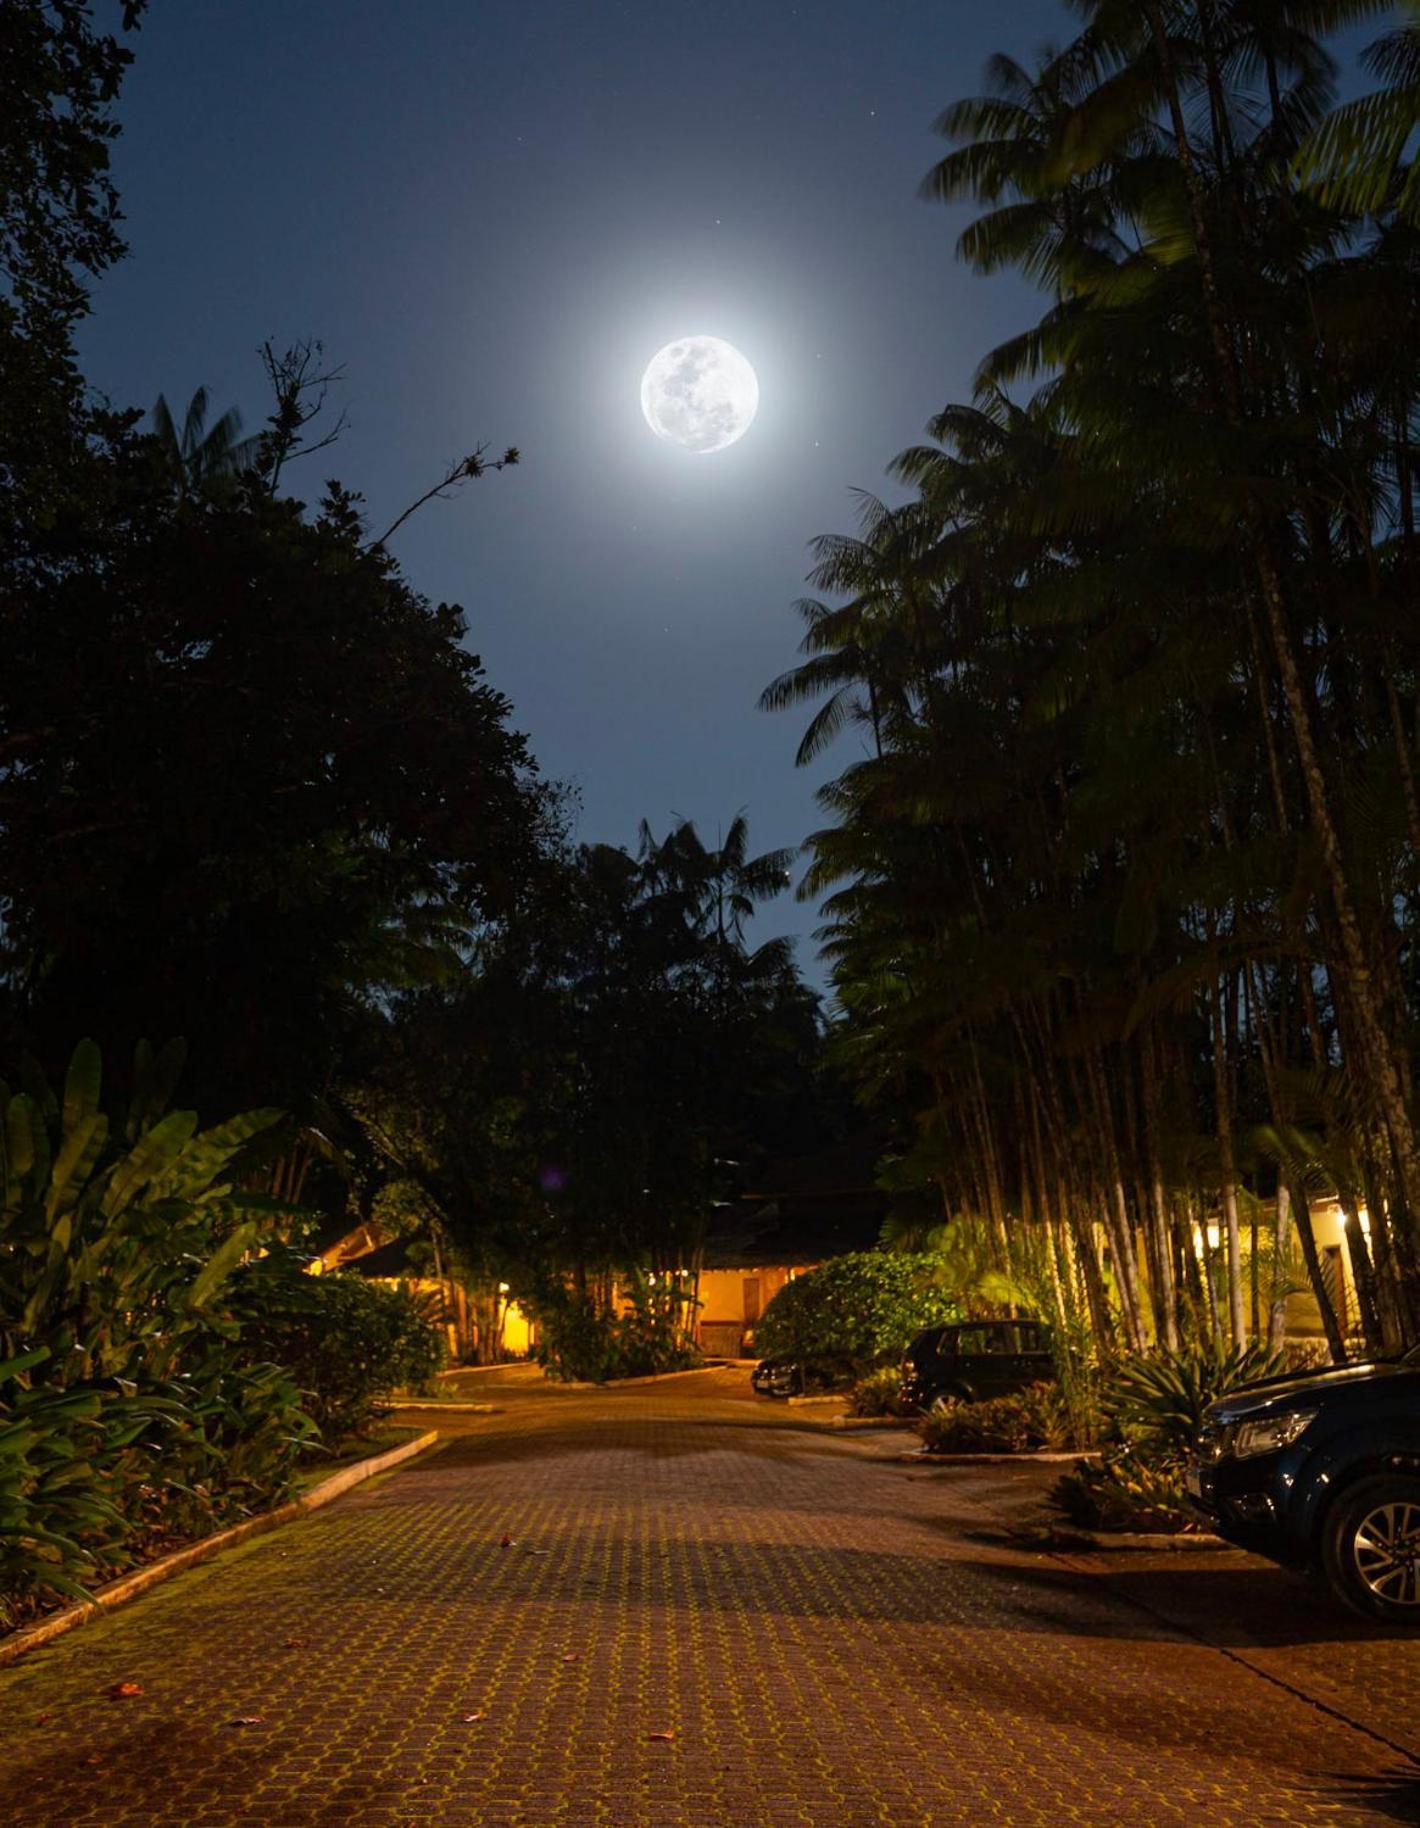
[12, 1367]
[158, 1149]
[220, 1265]
[209, 1152]
[83, 1145]
[21, 1124]
[82, 1086]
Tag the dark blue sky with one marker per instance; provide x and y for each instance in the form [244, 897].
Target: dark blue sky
[493, 212]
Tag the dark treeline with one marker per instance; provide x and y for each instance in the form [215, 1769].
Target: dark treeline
[1122, 893]
[256, 792]
[567, 1113]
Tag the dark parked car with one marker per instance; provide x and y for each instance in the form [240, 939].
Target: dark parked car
[976, 1360]
[1322, 1470]
[777, 1377]
[792, 1377]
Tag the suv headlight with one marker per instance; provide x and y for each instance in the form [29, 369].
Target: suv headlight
[1269, 1434]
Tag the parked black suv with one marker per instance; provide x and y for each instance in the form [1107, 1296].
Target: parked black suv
[1322, 1469]
[976, 1360]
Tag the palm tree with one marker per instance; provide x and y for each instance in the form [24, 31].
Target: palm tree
[199, 455]
[1355, 160]
[1135, 853]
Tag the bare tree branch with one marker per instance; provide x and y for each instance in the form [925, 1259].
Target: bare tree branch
[467, 469]
[300, 385]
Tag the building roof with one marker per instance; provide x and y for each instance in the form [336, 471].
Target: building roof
[792, 1232]
[390, 1259]
[836, 1171]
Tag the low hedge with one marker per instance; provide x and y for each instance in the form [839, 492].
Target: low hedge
[1028, 1421]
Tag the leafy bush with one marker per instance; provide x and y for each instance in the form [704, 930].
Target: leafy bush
[650, 1340]
[127, 1407]
[1024, 1422]
[1157, 1402]
[346, 1341]
[1125, 1491]
[879, 1394]
[580, 1342]
[1159, 1397]
[854, 1312]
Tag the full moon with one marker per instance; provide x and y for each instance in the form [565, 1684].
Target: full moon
[699, 391]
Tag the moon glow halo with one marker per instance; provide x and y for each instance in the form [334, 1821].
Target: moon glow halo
[700, 392]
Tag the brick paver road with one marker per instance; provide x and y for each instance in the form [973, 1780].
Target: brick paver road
[831, 1638]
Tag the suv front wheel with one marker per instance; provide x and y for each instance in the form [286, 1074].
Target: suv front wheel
[1370, 1548]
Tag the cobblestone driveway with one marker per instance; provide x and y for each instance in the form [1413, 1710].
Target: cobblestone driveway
[826, 1638]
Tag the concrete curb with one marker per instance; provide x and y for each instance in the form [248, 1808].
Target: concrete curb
[626, 1383]
[130, 1586]
[870, 1421]
[1149, 1541]
[922, 1458]
[450, 1407]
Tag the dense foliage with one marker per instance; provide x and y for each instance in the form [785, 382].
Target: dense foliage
[854, 1311]
[251, 783]
[879, 1394]
[131, 1402]
[1122, 893]
[346, 1342]
[1025, 1422]
[581, 1340]
[1159, 1401]
[564, 1114]
[1156, 1404]
[165, 1360]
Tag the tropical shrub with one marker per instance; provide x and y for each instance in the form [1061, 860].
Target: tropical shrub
[126, 1406]
[650, 1339]
[854, 1312]
[576, 1338]
[1156, 1402]
[580, 1341]
[1126, 1491]
[879, 1393]
[1159, 1398]
[346, 1341]
[1023, 1422]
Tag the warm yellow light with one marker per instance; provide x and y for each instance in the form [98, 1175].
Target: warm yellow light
[502, 1288]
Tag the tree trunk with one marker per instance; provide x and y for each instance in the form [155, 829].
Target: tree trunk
[1227, 1164]
[1281, 1251]
[1315, 1274]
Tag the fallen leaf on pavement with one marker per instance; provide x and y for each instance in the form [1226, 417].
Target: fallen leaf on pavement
[43, 1719]
[124, 1691]
[297, 1643]
[469, 1719]
[248, 1720]
[573, 1656]
[507, 1542]
[668, 1734]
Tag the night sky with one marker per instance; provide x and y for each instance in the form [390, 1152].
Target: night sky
[494, 212]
